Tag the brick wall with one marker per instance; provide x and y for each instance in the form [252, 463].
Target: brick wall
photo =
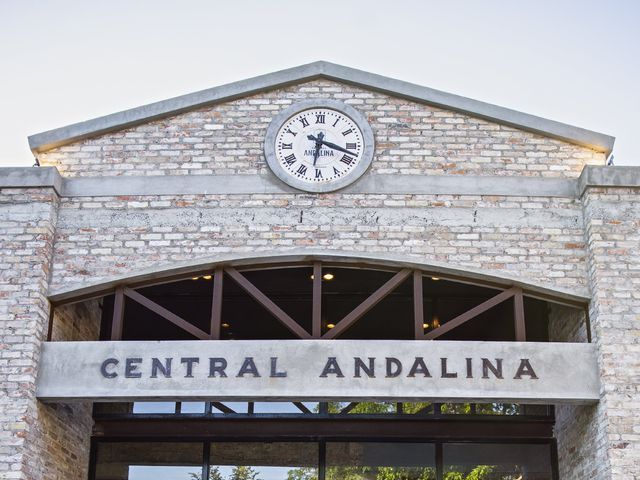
[579, 431]
[612, 220]
[27, 224]
[37, 441]
[411, 138]
[51, 243]
[536, 239]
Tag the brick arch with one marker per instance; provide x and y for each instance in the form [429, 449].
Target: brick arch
[172, 271]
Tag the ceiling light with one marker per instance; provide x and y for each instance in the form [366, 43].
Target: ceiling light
[435, 322]
[435, 279]
[330, 326]
[207, 277]
[425, 325]
[328, 276]
[195, 278]
[225, 325]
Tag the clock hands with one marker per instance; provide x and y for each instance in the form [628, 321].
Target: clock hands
[328, 144]
[318, 145]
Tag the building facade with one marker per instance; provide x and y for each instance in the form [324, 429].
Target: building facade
[152, 202]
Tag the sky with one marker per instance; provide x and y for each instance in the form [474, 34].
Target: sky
[66, 61]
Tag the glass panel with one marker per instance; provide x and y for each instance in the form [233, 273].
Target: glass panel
[284, 407]
[423, 408]
[149, 461]
[192, 407]
[154, 407]
[264, 461]
[498, 409]
[237, 407]
[496, 462]
[455, 408]
[378, 461]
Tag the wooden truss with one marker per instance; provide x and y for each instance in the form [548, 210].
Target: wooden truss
[349, 320]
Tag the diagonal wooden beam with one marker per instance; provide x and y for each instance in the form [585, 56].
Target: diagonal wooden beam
[418, 305]
[316, 308]
[348, 408]
[469, 314]
[267, 303]
[375, 298]
[216, 305]
[166, 314]
[518, 316]
[302, 407]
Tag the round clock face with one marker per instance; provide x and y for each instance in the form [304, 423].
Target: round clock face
[319, 145]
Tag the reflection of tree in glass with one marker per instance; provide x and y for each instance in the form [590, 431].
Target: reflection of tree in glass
[370, 408]
[243, 472]
[481, 472]
[238, 473]
[302, 473]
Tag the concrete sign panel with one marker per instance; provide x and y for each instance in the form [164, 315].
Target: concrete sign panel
[320, 370]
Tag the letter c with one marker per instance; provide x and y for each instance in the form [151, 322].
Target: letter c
[105, 364]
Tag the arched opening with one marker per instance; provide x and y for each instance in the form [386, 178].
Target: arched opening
[317, 438]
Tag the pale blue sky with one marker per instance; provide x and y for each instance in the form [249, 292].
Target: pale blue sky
[66, 61]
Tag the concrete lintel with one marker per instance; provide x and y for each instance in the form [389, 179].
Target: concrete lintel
[31, 177]
[72, 133]
[187, 269]
[608, 176]
[371, 184]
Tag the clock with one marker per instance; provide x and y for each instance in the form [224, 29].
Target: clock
[319, 145]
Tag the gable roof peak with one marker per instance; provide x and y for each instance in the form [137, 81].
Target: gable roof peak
[48, 140]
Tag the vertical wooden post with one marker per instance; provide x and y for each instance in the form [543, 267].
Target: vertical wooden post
[418, 305]
[316, 312]
[216, 304]
[518, 314]
[118, 314]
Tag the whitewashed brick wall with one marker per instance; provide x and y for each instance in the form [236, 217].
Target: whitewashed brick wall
[411, 138]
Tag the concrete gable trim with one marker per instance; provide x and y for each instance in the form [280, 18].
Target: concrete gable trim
[48, 140]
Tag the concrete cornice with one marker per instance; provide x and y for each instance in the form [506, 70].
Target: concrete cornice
[593, 176]
[72, 133]
[30, 177]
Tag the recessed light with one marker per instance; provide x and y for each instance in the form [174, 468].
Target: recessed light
[328, 276]
[425, 325]
[435, 279]
[207, 277]
[195, 278]
[225, 325]
[330, 326]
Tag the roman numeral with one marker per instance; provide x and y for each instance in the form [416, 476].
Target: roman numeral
[350, 146]
[290, 159]
[288, 130]
[318, 173]
[319, 117]
[335, 123]
[302, 170]
[289, 146]
[347, 159]
[304, 122]
[347, 132]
